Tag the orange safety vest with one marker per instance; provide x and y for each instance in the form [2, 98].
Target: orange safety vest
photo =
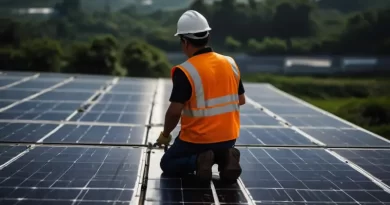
[212, 113]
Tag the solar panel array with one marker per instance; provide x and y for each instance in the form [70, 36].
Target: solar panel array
[79, 139]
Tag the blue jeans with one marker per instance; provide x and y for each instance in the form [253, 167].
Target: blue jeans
[180, 158]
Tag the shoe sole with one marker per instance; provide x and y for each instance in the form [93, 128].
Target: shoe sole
[205, 163]
[232, 170]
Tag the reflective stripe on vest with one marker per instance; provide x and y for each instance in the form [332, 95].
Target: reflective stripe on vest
[200, 99]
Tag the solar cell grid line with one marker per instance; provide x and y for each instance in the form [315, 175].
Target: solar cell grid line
[4, 103]
[97, 93]
[93, 134]
[254, 135]
[345, 137]
[375, 161]
[17, 82]
[311, 138]
[119, 107]
[35, 115]
[174, 190]
[83, 86]
[289, 176]
[135, 117]
[62, 95]
[44, 106]
[72, 174]
[286, 109]
[36, 94]
[20, 132]
[325, 112]
[37, 84]
[16, 95]
[40, 110]
[7, 153]
[314, 121]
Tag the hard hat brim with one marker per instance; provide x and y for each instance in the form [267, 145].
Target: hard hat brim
[196, 31]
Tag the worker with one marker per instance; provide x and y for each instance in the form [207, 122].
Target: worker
[206, 95]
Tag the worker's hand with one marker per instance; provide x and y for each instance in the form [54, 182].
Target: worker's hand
[163, 140]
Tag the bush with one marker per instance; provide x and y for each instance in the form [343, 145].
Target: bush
[267, 46]
[143, 60]
[42, 55]
[100, 57]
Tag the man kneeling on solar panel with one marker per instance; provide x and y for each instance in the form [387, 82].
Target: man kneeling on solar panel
[206, 95]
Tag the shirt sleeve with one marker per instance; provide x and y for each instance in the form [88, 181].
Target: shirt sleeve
[181, 91]
[241, 89]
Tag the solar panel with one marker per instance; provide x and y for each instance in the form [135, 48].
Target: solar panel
[315, 121]
[5, 103]
[90, 86]
[128, 98]
[292, 110]
[258, 119]
[345, 137]
[6, 81]
[66, 96]
[37, 84]
[252, 136]
[10, 94]
[35, 115]
[376, 162]
[170, 190]
[9, 152]
[93, 134]
[139, 88]
[43, 106]
[305, 176]
[21, 132]
[97, 160]
[113, 117]
[121, 107]
[77, 174]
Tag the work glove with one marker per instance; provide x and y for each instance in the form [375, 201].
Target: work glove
[163, 140]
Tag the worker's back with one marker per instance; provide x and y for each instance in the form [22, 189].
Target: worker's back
[212, 113]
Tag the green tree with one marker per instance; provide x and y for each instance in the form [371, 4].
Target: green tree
[144, 60]
[232, 44]
[100, 57]
[42, 55]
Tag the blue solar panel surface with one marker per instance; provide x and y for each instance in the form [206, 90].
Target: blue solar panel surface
[89, 136]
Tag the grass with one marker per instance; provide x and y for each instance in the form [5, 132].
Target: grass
[365, 102]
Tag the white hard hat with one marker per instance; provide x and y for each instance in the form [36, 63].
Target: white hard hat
[192, 22]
